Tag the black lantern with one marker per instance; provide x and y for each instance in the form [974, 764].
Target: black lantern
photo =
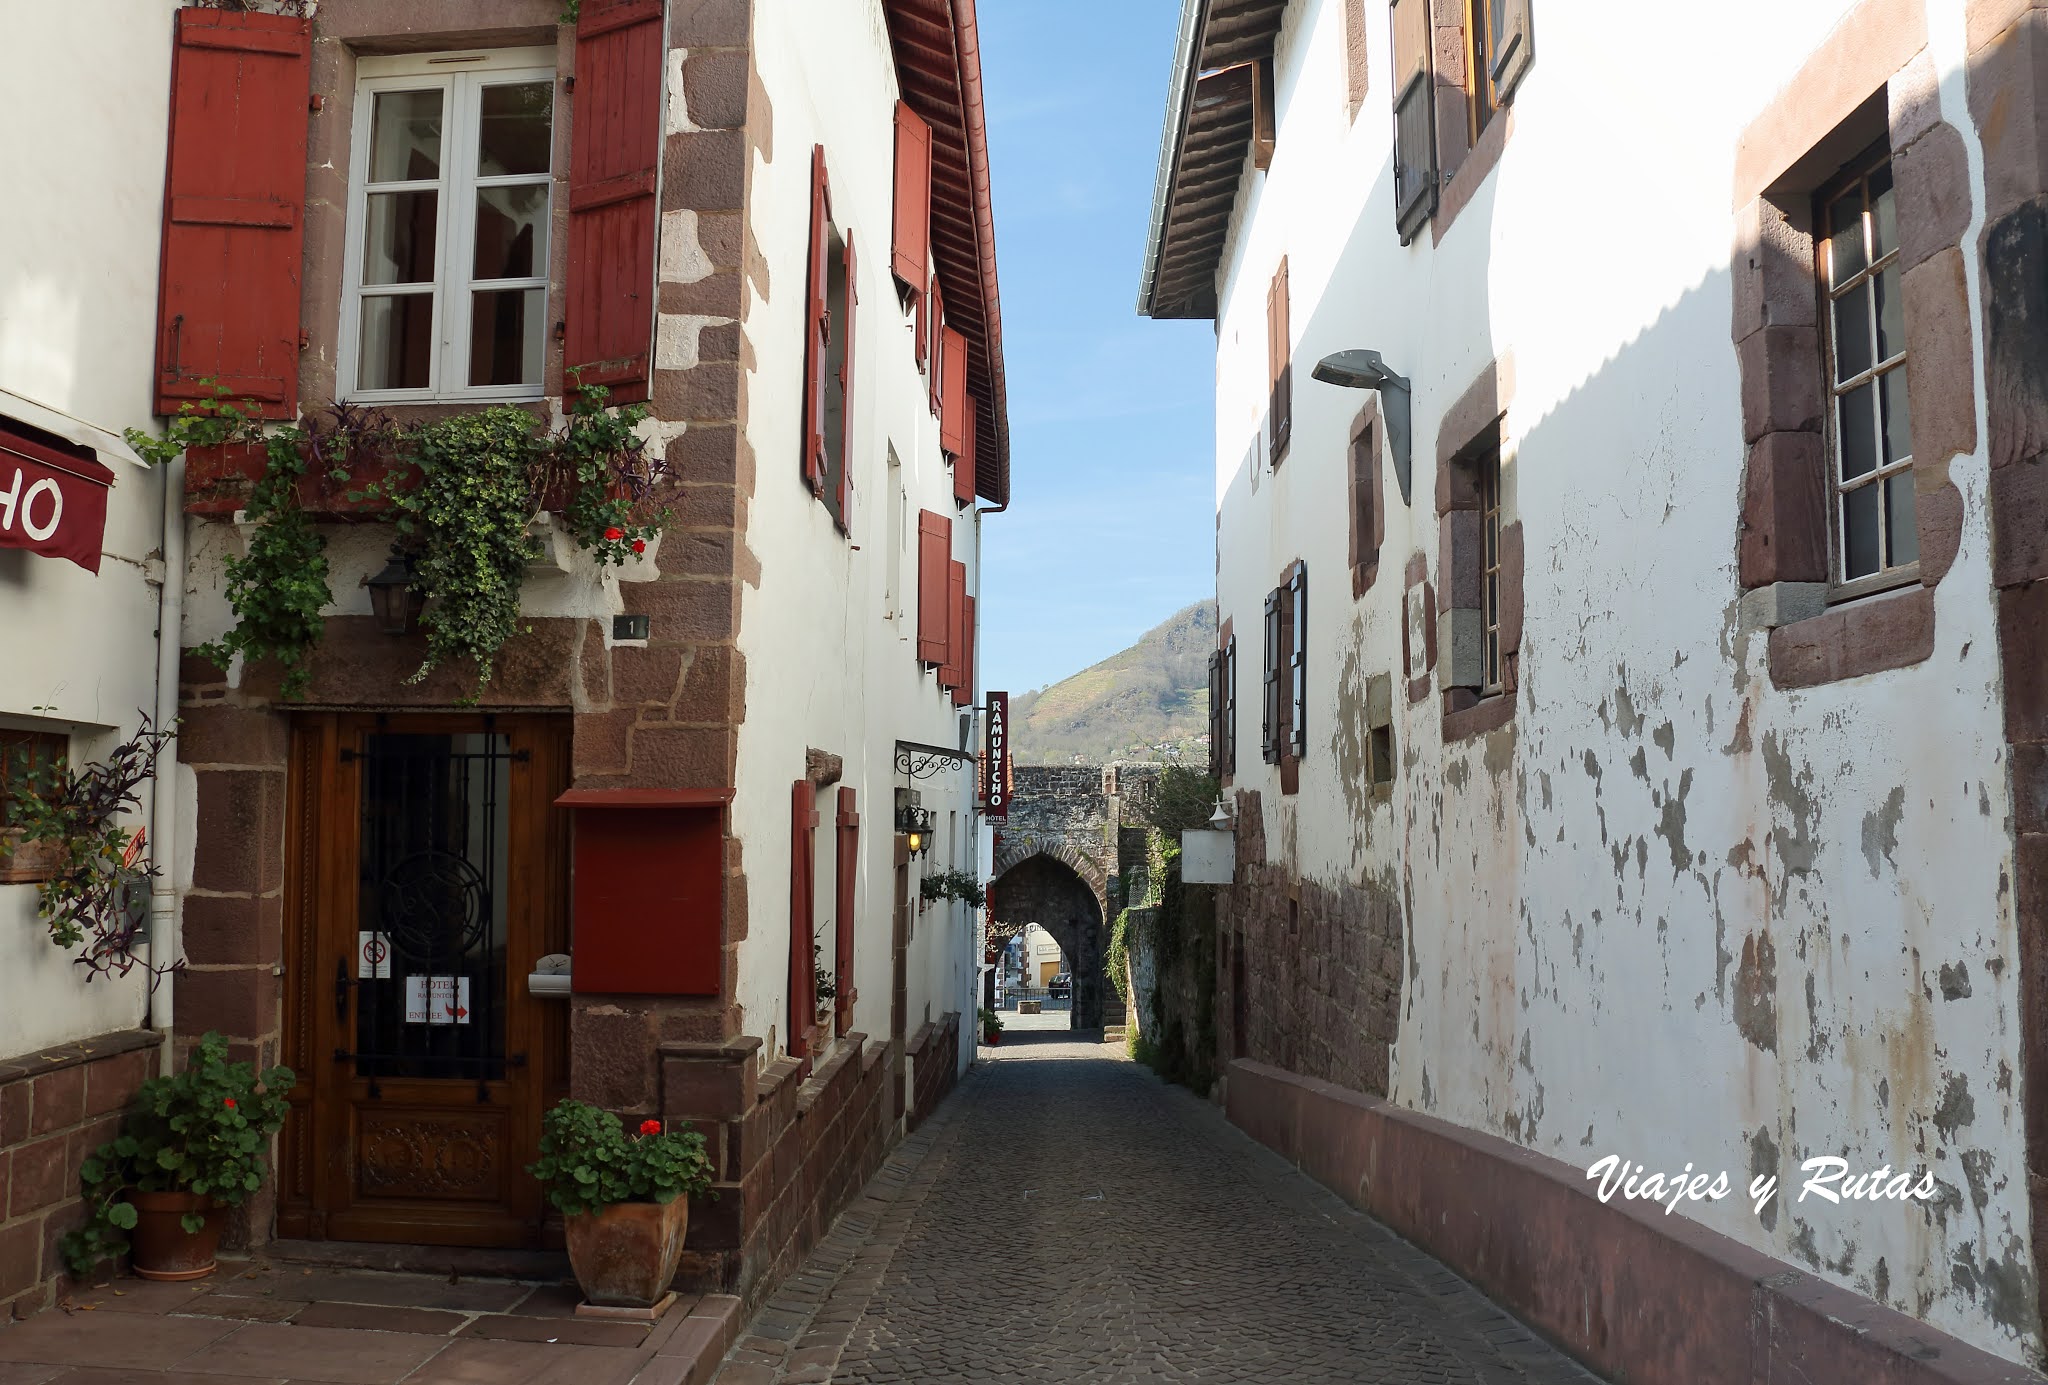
[916, 826]
[391, 598]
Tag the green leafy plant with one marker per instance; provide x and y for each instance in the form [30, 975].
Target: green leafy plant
[205, 1130]
[588, 1162]
[991, 1022]
[572, 10]
[278, 587]
[97, 892]
[463, 522]
[826, 986]
[463, 490]
[962, 885]
[611, 481]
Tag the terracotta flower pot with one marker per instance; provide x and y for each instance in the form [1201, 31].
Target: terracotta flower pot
[161, 1247]
[626, 1255]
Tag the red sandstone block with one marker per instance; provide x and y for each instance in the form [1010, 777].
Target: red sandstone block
[59, 1101]
[21, 1248]
[233, 930]
[14, 1104]
[39, 1175]
[239, 1001]
[110, 1084]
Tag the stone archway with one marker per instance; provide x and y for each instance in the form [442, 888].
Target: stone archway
[1051, 886]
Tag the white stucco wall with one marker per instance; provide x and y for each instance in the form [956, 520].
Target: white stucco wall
[1589, 890]
[831, 660]
[78, 266]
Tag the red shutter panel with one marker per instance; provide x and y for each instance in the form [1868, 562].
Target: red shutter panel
[234, 197]
[614, 151]
[937, 380]
[918, 340]
[963, 695]
[848, 861]
[803, 856]
[963, 465]
[817, 324]
[934, 554]
[953, 396]
[911, 252]
[846, 433]
[956, 594]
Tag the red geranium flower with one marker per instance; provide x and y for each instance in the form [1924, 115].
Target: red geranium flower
[614, 534]
[650, 1127]
[639, 545]
[227, 1101]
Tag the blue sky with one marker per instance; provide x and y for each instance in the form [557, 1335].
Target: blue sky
[1111, 526]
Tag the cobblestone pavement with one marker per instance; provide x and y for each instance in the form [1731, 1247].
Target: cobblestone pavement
[1067, 1217]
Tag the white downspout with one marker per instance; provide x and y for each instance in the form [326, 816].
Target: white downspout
[166, 947]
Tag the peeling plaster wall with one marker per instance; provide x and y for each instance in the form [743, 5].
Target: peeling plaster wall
[831, 660]
[1667, 912]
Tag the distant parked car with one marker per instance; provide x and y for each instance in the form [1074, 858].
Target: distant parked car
[1061, 987]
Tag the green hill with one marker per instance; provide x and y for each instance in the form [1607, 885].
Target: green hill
[1151, 702]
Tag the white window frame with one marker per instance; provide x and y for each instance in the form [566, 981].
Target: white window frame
[453, 75]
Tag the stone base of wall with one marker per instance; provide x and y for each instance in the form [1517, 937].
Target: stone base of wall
[934, 1066]
[792, 1149]
[1636, 1295]
[56, 1108]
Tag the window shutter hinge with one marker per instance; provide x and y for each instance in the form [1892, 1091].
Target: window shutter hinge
[316, 103]
[569, 82]
[305, 341]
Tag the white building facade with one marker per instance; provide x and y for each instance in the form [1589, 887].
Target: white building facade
[1631, 701]
[658, 858]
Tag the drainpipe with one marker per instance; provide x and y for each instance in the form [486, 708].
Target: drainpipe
[165, 946]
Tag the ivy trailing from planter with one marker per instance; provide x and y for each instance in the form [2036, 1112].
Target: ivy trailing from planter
[463, 525]
[464, 489]
[954, 884]
[97, 894]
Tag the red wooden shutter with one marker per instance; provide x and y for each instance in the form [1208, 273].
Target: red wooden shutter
[963, 695]
[614, 152]
[951, 670]
[848, 861]
[934, 554]
[846, 434]
[937, 380]
[963, 465]
[803, 856]
[918, 339]
[234, 197]
[953, 399]
[817, 324]
[911, 252]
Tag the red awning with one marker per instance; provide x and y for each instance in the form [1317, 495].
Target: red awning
[52, 502]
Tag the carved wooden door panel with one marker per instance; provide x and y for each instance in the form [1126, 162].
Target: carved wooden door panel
[428, 876]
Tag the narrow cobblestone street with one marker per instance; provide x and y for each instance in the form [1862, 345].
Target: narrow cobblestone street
[1068, 1217]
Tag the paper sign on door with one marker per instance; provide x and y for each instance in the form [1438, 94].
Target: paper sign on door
[437, 1000]
[373, 957]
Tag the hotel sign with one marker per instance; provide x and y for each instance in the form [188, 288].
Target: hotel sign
[995, 758]
[51, 502]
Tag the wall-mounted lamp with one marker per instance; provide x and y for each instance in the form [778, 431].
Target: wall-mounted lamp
[916, 826]
[1220, 819]
[1364, 370]
[391, 597]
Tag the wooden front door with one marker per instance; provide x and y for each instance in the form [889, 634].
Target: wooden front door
[426, 875]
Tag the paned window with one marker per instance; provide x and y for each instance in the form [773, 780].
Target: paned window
[449, 206]
[1482, 37]
[1489, 570]
[25, 758]
[1870, 444]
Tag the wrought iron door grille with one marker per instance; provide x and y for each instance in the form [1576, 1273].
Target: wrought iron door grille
[432, 891]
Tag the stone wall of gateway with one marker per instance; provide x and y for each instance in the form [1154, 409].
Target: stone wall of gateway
[1308, 975]
[56, 1107]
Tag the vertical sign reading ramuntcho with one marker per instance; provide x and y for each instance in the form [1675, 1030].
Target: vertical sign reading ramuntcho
[995, 758]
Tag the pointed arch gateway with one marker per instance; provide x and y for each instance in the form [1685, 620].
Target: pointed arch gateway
[1051, 883]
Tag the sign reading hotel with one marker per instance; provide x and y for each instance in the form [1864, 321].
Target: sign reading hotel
[52, 503]
[995, 759]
